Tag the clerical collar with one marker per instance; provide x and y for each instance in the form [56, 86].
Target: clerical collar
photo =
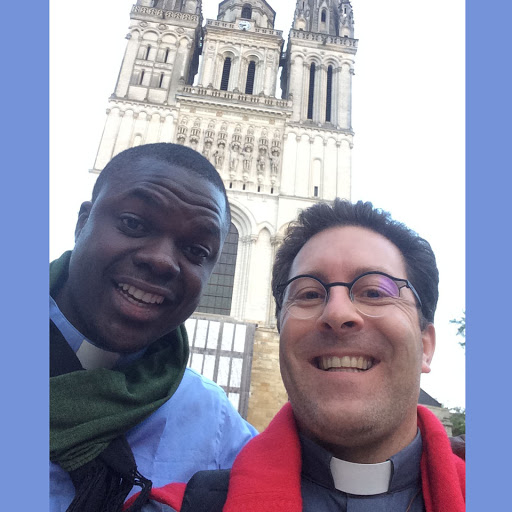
[90, 355]
[400, 471]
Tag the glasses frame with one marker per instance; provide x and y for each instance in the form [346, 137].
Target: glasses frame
[405, 283]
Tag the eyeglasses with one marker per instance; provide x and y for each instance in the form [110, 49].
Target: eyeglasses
[305, 296]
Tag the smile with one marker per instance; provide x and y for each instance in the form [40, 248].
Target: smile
[345, 363]
[138, 296]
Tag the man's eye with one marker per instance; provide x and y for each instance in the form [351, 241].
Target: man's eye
[309, 295]
[132, 224]
[198, 252]
[372, 293]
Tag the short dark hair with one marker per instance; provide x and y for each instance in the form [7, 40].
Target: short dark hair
[173, 154]
[420, 262]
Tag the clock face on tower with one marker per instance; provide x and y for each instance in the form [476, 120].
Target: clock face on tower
[244, 25]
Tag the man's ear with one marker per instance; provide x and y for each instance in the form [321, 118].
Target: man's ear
[428, 338]
[83, 215]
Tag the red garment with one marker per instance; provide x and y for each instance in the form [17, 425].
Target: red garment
[266, 474]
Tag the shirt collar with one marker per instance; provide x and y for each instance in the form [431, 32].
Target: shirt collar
[88, 353]
[400, 471]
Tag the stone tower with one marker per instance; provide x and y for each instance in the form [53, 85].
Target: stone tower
[212, 87]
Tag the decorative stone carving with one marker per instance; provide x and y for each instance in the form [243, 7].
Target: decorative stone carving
[218, 154]
[181, 137]
[195, 133]
[207, 148]
[261, 163]
[234, 160]
[247, 161]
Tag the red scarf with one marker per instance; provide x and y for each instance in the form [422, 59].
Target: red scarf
[266, 475]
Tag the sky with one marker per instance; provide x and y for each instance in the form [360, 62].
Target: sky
[408, 115]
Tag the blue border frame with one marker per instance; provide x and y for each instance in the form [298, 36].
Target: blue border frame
[25, 247]
[25, 179]
[489, 185]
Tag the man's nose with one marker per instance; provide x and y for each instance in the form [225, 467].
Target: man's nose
[160, 255]
[339, 312]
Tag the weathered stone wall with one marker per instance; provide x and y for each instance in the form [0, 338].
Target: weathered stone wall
[267, 390]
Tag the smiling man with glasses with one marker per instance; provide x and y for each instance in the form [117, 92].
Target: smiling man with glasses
[355, 296]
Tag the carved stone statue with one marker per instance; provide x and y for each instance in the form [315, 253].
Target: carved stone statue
[218, 155]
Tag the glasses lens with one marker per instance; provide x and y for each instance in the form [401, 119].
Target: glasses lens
[373, 291]
[304, 298]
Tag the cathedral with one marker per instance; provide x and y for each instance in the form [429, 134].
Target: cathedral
[275, 121]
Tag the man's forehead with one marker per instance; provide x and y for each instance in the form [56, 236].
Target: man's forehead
[146, 170]
[157, 182]
[353, 247]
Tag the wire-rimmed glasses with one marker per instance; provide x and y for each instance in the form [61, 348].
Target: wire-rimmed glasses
[305, 296]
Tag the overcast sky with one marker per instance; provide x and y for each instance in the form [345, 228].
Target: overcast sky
[408, 119]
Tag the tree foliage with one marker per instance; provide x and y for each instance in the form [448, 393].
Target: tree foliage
[458, 417]
[461, 330]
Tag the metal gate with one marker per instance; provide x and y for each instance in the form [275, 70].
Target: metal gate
[221, 350]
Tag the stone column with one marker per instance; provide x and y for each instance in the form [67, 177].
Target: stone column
[320, 94]
[345, 96]
[125, 75]
[235, 77]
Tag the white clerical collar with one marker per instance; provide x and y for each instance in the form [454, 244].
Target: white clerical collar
[90, 355]
[361, 479]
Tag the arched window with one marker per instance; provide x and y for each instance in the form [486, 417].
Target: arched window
[311, 90]
[328, 101]
[249, 84]
[323, 16]
[218, 293]
[148, 49]
[225, 74]
[246, 12]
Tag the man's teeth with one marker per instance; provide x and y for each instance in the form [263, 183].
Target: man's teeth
[345, 363]
[142, 296]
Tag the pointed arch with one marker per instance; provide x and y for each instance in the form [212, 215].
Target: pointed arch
[246, 11]
[226, 70]
[311, 92]
[328, 98]
[218, 293]
[249, 81]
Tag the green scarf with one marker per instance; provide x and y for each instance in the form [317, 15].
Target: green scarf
[88, 409]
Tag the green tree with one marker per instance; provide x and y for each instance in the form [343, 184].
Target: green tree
[458, 417]
[461, 330]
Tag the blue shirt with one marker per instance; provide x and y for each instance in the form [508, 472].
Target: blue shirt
[320, 495]
[196, 429]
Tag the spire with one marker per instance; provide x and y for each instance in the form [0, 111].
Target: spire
[333, 17]
[257, 12]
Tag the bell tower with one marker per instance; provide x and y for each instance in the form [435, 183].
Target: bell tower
[161, 57]
[241, 49]
[318, 70]
[317, 78]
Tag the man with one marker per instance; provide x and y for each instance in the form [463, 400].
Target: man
[124, 411]
[355, 298]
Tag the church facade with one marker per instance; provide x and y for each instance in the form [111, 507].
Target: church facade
[274, 120]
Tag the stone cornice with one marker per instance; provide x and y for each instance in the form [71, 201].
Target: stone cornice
[163, 14]
[156, 108]
[236, 100]
[347, 42]
[233, 26]
[326, 128]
